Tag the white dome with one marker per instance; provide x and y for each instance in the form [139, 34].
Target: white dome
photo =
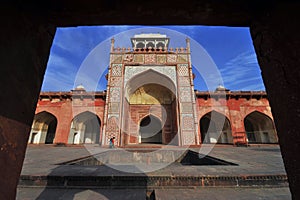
[221, 88]
[80, 87]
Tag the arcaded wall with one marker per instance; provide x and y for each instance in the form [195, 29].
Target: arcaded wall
[65, 110]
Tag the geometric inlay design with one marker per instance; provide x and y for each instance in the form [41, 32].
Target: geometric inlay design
[187, 122]
[150, 58]
[187, 108]
[184, 81]
[115, 81]
[188, 137]
[114, 94]
[139, 58]
[183, 70]
[182, 58]
[113, 107]
[161, 59]
[171, 58]
[128, 58]
[116, 58]
[185, 94]
[116, 70]
[112, 128]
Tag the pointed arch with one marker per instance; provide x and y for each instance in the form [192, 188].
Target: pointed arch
[149, 76]
[43, 128]
[150, 44]
[150, 130]
[150, 92]
[160, 45]
[140, 45]
[85, 129]
[215, 128]
[260, 128]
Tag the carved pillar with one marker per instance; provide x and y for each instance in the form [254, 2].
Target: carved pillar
[187, 102]
[113, 104]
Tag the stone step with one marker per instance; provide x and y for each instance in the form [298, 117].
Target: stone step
[114, 182]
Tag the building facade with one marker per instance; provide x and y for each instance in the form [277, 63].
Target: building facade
[150, 98]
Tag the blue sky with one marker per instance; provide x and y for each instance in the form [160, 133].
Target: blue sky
[220, 55]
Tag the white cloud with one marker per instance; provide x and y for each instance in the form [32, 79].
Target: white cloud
[242, 72]
[57, 81]
[59, 60]
[60, 74]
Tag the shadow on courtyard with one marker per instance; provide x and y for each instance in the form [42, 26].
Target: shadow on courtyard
[116, 185]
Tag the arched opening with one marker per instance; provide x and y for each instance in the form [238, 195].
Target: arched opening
[149, 77]
[215, 128]
[85, 129]
[43, 128]
[149, 93]
[260, 128]
[150, 130]
[140, 45]
[150, 44]
[160, 45]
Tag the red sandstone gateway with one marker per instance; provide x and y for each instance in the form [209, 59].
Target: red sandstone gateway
[150, 99]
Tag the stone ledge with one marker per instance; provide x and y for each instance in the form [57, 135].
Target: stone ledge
[114, 182]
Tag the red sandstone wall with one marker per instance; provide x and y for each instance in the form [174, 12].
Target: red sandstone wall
[235, 109]
[65, 110]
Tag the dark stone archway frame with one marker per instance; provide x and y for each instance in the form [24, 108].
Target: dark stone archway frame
[28, 30]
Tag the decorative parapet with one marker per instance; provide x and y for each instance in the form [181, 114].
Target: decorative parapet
[146, 58]
[232, 94]
[72, 95]
[149, 50]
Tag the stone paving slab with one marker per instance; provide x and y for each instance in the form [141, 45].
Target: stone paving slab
[257, 160]
[224, 194]
[208, 193]
[257, 165]
[41, 164]
[41, 193]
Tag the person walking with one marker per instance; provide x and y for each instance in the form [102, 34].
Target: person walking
[112, 142]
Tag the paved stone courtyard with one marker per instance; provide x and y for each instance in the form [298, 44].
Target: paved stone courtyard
[41, 163]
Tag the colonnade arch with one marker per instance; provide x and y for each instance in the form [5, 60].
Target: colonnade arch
[85, 129]
[215, 128]
[260, 128]
[43, 128]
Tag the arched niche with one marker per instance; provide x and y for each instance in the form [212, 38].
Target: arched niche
[260, 128]
[85, 129]
[43, 128]
[215, 128]
[148, 77]
[149, 92]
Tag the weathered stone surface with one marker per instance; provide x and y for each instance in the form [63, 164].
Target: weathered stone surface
[277, 48]
[25, 46]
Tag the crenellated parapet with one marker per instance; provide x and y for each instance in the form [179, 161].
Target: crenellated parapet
[178, 50]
